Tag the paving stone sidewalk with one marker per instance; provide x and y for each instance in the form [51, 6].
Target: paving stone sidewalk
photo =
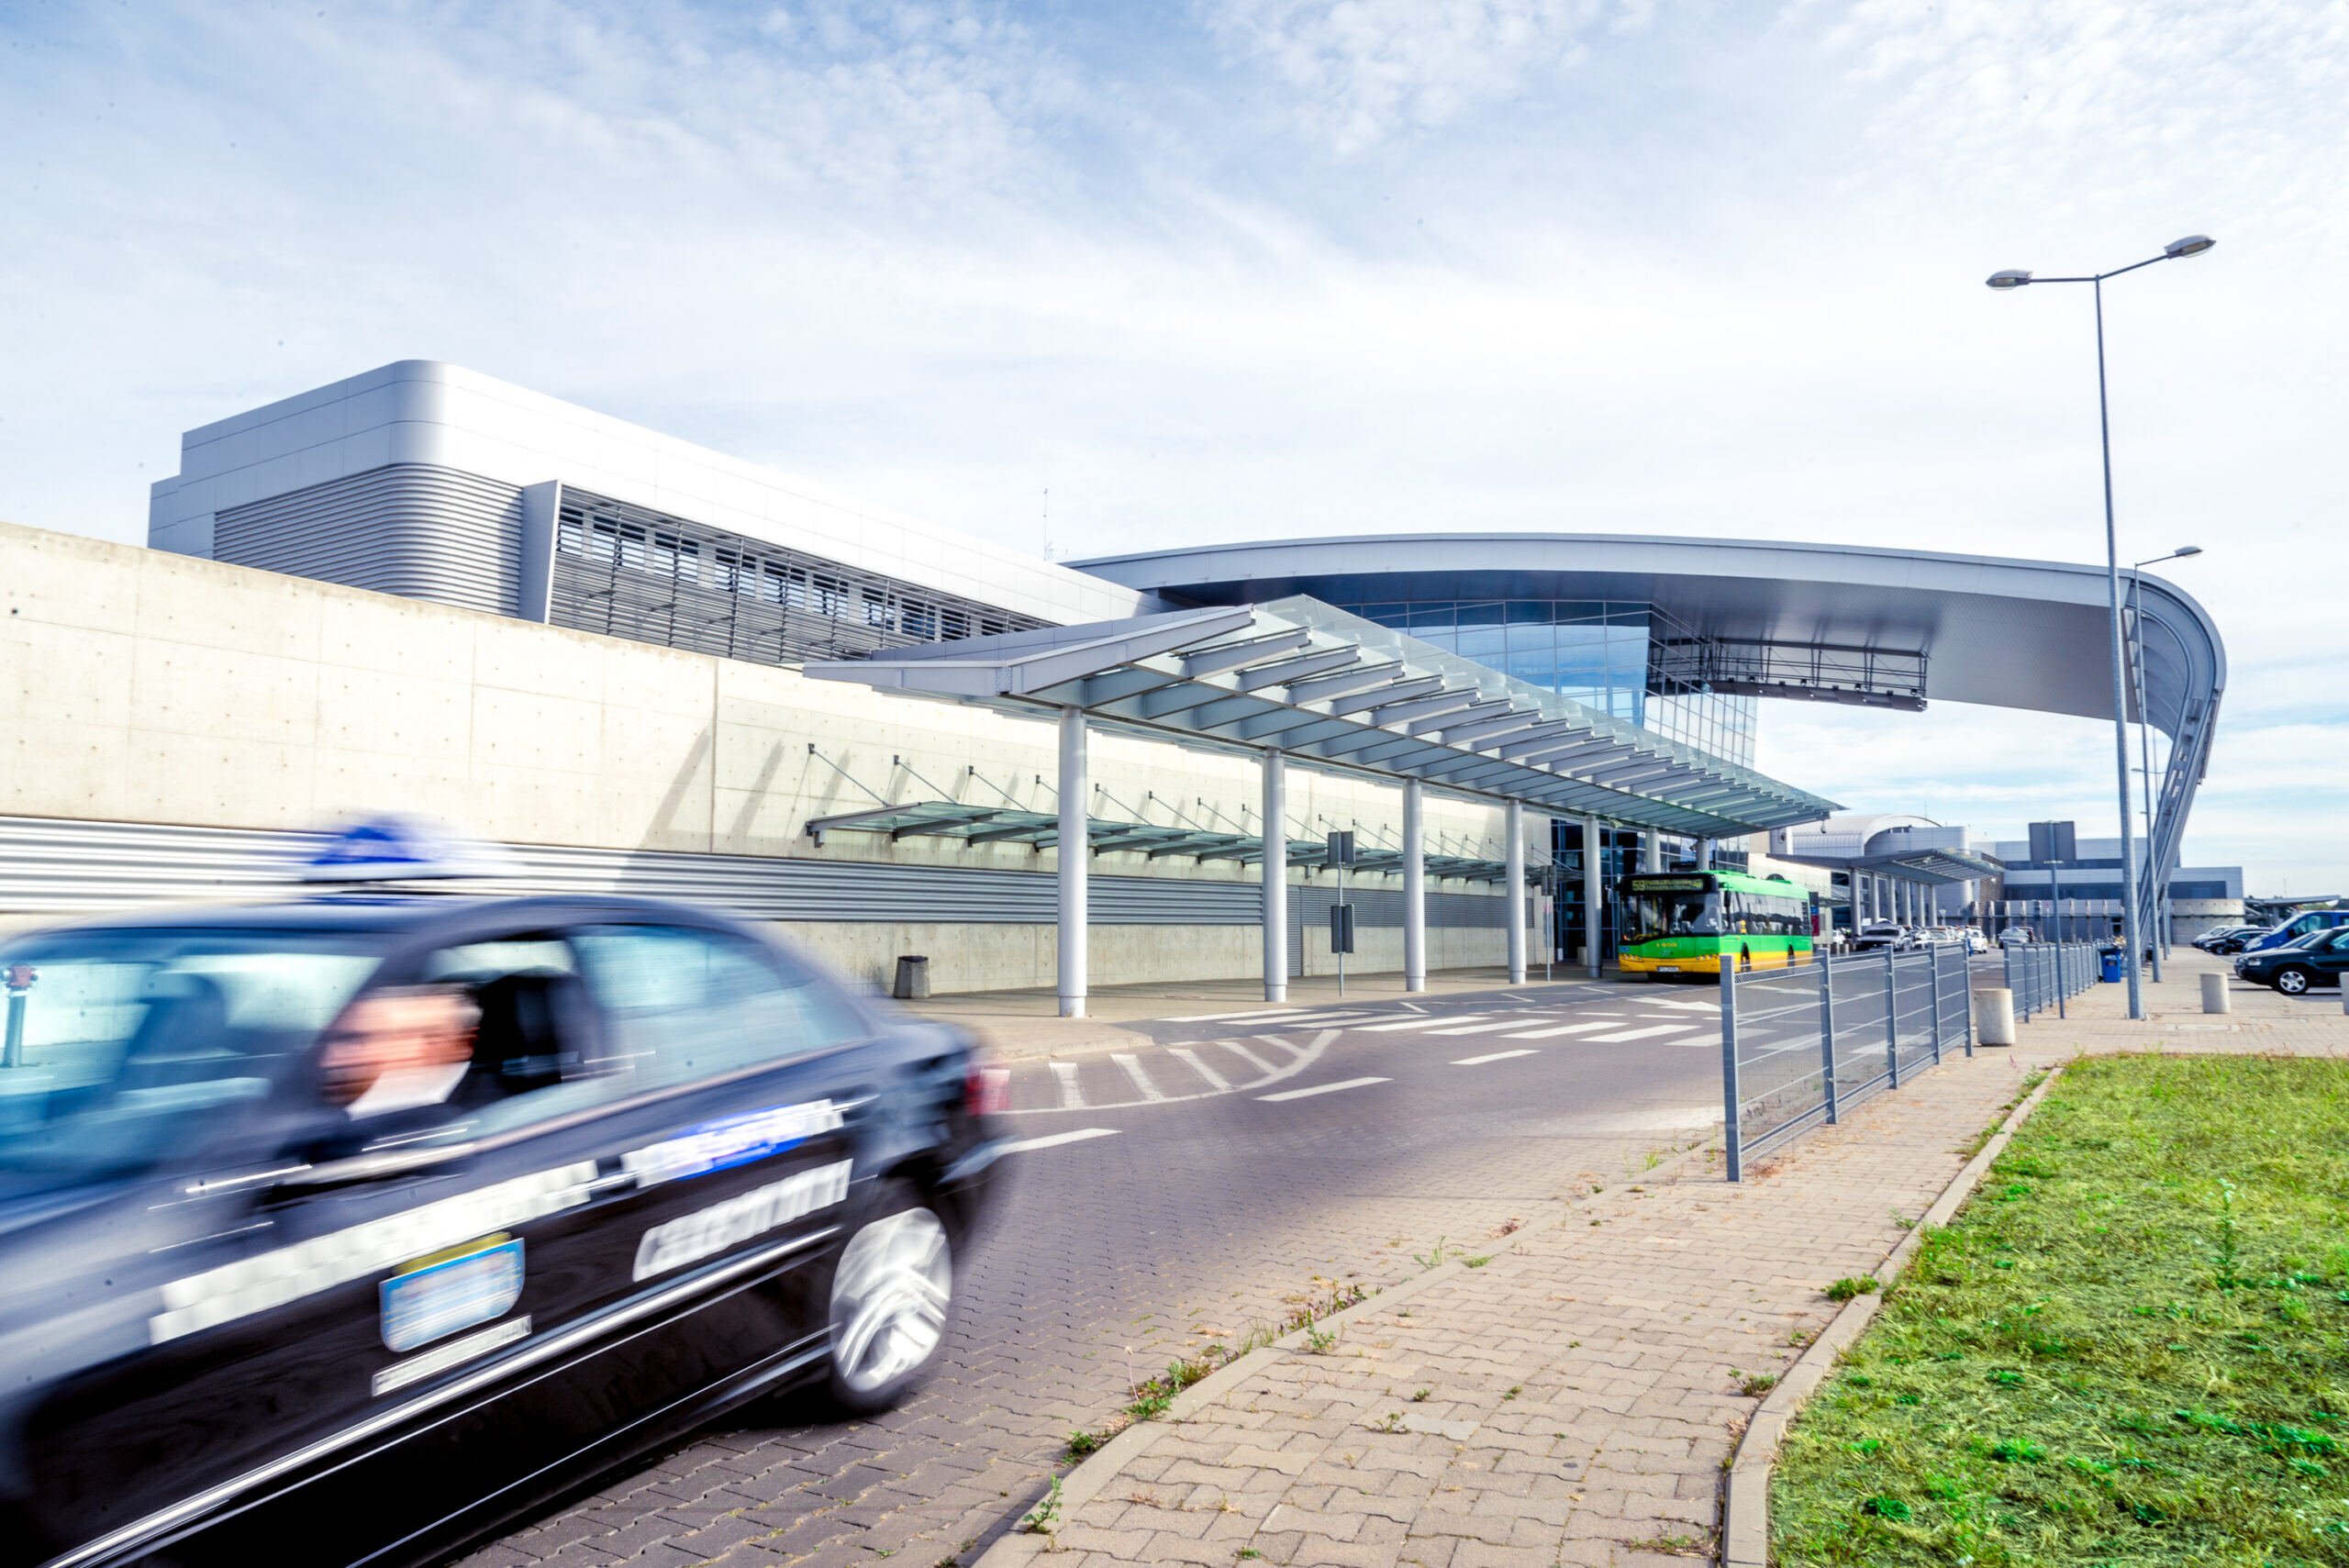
[1577, 1401]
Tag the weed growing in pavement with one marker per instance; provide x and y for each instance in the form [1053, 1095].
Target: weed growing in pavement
[1318, 1342]
[1082, 1443]
[1475, 1263]
[2136, 1357]
[1419, 1396]
[1430, 1259]
[1390, 1422]
[1754, 1387]
[1515, 1389]
[1849, 1286]
[1045, 1517]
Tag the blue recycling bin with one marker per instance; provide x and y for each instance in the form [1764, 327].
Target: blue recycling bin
[2111, 965]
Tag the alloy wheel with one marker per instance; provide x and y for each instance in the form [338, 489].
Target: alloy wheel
[890, 1297]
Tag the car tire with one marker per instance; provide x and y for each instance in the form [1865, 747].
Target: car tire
[2294, 982]
[891, 1302]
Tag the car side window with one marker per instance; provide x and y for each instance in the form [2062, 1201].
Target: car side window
[681, 1004]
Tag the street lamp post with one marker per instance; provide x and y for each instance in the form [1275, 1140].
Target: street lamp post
[2157, 879]
[2014, 278]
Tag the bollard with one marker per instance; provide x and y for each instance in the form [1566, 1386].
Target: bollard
[1994, 1016]
[2214, 993]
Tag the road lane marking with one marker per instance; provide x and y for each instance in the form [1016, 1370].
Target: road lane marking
[1325, 1088]
[1482, 1028]
[1232, 1017]
[1564, 1029]
[1298, 1051]
[1425, 1020]
[1057, 1139]
[1132, 1067]
[1619, 1035]
[1071, 1094]
[1201, 1068]
[1496, 1056]
[1250, 1057]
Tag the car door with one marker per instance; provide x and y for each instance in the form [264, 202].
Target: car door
[635, 1217]
[2330, 961]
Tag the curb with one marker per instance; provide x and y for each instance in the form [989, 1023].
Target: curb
[1081, 1484]
[1745, 1508]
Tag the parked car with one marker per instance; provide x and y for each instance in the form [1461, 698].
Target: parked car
[2298, 926]
[2318, 959]
[351, 1227]
[1882, 936]
[2208, 941]
[1976, 941]
[2233, 940]
[2015, 937]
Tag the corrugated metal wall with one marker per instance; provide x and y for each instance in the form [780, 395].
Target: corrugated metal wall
[55, 866]
[411, 528]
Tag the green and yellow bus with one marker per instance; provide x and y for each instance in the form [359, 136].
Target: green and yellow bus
[1688, 922]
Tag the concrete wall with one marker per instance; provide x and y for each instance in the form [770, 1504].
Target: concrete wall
[145, 686]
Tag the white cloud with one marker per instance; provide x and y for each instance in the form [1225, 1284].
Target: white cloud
[1362, 71]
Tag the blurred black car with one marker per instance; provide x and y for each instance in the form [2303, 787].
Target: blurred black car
[2319, 957]
[346, 1230]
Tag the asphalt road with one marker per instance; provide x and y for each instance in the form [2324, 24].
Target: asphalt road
[1172, 1197]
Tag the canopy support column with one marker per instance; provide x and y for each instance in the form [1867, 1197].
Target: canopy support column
[1515, 818]
[1591, 894]
[1651, 851]
[1076, 851]
[1415, 885]
[1275, 877]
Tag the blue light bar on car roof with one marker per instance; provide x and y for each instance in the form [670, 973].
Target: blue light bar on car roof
[396, 847]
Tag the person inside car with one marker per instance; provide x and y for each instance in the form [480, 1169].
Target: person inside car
[401, 1048]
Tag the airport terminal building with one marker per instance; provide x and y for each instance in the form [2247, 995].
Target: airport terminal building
[653, 667]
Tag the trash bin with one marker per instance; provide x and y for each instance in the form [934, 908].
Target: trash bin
[2111, 965]
[913, 978]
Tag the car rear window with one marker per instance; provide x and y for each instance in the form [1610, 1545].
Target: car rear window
[123, 1046]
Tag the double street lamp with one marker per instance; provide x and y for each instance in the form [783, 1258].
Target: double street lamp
[2013, 278]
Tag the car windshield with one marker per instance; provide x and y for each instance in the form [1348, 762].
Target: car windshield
[124, 1046]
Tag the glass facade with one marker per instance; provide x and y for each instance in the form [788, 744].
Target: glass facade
[1594, 651]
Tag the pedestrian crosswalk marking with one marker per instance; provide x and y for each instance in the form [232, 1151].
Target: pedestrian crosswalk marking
[1071, 1093]
[1563, 1029]
[1621, 1036]
[1191, 1060]
[1496, 1056]
[1424, 1021]
[1132, 1067]
[1250, 1057]
[1483, 1027]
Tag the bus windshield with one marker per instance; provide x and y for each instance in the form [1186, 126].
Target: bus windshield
[1684, 911]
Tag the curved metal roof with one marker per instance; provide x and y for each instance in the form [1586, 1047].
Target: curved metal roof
[2033, 635]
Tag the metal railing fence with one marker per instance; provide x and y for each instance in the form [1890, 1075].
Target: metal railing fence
[1801, 1046]
[2048, 974]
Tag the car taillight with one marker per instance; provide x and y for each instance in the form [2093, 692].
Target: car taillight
[987, 1091]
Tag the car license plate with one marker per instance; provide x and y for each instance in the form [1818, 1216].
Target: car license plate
[1667, 969]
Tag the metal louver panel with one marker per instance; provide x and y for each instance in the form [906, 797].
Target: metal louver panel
[416, 530]
[53, 866]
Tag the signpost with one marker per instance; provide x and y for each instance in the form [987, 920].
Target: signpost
[2053, 844]
[1341, 914]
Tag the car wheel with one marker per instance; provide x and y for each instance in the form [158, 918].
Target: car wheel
[2292, 982]
[892, 1299]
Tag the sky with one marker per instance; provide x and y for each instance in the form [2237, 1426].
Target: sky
[1100, 278]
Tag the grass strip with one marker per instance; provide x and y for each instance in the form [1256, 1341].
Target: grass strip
[2130, 1347]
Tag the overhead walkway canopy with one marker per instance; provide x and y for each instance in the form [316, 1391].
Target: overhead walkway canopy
[1041, 830]
[1327, 687]
[1890, 885]
[1297, 679]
